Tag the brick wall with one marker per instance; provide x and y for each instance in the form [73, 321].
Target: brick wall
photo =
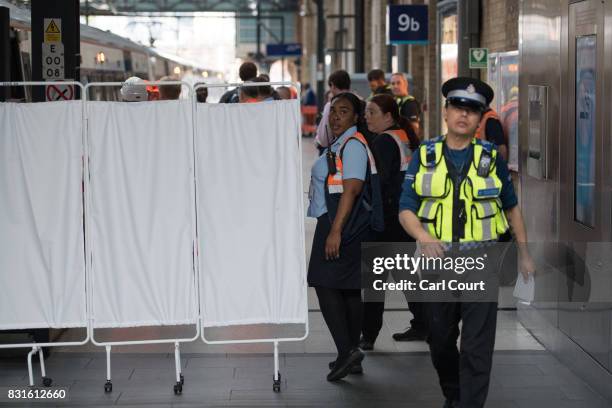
[500, 25]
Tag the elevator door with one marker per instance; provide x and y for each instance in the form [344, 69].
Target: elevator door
[585, 208]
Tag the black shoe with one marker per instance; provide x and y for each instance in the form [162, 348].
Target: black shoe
[410, 335]
[451, 404]
[366, 344]
[343, 366]
[356, 368]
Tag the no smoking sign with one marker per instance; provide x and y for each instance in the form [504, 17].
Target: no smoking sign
[59, 92]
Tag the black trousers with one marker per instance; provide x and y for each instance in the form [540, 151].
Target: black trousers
[341, 309]
[374, 307]
[373, 318]
[464, 375]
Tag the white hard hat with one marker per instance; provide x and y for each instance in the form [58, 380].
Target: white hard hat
[134, 89]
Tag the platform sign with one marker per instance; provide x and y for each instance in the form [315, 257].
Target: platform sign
[408, 24]
[52, 30]
[59, 93]
[284, 50]
[479, 58]
[53, 61]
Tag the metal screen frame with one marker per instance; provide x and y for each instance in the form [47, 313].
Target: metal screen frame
[274, 341]
[36, 347]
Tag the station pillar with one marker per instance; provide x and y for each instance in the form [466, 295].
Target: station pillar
[56, 44]
[5, 52]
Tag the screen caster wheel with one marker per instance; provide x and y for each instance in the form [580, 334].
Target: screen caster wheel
[108, 387]
[47, 381]
[178, 388]
[276, 384]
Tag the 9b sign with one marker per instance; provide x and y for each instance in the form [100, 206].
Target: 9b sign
[53, 61]
[407, 24]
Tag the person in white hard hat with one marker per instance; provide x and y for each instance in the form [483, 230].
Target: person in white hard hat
[134, 89]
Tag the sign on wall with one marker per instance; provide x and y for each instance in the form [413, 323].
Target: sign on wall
[479, 58]
[407, 24]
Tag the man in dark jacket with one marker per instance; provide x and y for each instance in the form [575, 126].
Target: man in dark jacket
[247, 72]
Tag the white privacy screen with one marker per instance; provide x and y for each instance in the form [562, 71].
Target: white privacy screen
[250, 215]
[42, 267]
[141, 213]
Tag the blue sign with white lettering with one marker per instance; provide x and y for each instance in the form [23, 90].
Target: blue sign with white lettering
[284, 50]
[407, 24]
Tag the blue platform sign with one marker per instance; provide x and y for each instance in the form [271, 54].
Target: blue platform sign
[284, 50]
[407, 24]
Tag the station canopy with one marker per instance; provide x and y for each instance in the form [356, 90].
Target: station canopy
[125, 7]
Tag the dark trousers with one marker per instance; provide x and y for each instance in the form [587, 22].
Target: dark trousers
[374, 307]
[341, 309]
[373, 318]
[464, 375]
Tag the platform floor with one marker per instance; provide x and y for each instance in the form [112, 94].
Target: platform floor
[396, 374]
[520, 379]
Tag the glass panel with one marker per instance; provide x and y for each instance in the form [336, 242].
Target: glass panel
[586, 71]
[448, 55]
[508, 97]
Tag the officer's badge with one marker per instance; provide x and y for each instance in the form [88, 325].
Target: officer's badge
[484, 164]
[471, 89]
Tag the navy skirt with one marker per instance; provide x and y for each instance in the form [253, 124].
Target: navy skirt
[341, 273]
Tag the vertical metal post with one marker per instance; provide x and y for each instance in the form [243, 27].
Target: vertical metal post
[402, 57]
[468, 16]
[283, 42]
[41, 358]
[5, 52]
[389, 48]
[320, 54]
[340, 45]
[258, 23]
[359, 36]
[65, 12]
[276, 364]
[177, 362]
[30, 373]
[108, 363]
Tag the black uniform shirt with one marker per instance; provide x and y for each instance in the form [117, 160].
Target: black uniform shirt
[495, 132]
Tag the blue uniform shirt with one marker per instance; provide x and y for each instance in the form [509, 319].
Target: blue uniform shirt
[354, 166]
[409, 200]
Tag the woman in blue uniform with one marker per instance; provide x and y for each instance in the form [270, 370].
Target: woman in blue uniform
[342, 200]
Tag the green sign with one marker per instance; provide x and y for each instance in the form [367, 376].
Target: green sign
[479, 58]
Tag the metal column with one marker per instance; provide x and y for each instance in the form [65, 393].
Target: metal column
[67, 13]
[320, 53]
[402, 57]
[5, 52]
[389, 66]
[468, 15]
[359, 36]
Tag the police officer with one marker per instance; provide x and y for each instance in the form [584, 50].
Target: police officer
[409, 106]
[435, 186]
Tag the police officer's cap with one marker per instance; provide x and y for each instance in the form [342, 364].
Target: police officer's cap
[468, 92]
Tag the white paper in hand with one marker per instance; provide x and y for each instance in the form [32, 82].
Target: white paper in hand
[525, 291]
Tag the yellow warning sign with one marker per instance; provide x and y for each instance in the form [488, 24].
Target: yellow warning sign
[53, 30]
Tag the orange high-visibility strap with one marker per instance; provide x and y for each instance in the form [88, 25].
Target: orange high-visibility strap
[403, 143]
[480, 132]
[334, 181]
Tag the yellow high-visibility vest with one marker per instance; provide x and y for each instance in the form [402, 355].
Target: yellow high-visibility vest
[469, 212]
